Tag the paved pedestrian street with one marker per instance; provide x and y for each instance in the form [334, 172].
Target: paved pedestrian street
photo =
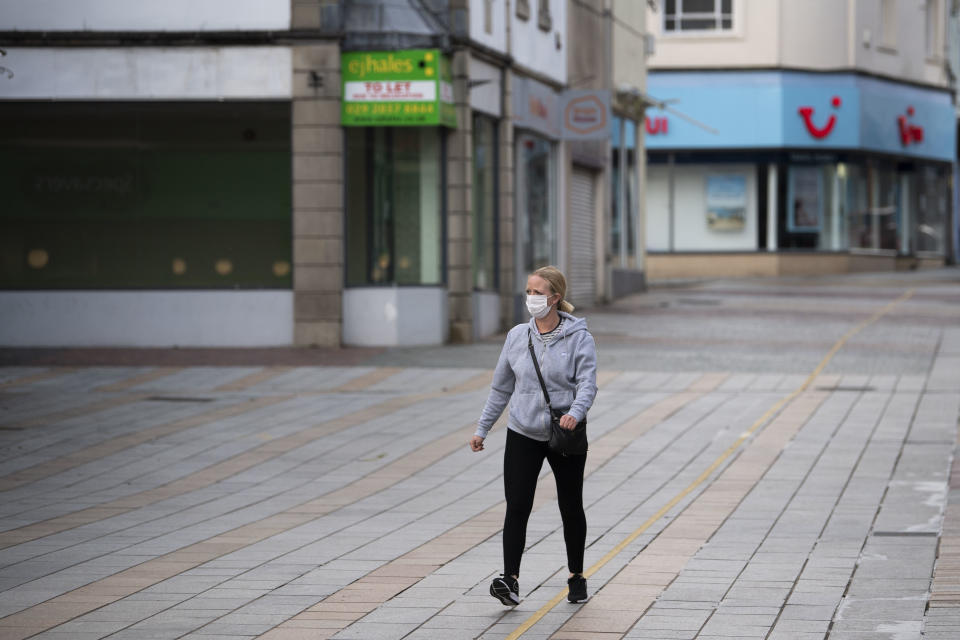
[769, 459]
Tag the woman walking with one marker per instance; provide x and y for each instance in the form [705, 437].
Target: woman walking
[567, 361]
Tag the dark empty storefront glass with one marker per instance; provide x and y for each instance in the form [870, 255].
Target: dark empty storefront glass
[535, 199]
[876, 226]
[933, 201]
[623, 186]
[484, 202]
[145, 195]
[394, 206]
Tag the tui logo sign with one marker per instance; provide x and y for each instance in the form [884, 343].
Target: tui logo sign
[909, 133]
[820, 132]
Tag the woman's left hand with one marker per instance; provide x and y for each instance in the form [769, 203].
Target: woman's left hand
[568, 422]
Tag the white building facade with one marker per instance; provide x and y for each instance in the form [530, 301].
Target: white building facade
[806, 137]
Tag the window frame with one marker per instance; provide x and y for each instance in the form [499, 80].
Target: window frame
[933, 28]
[495, 168]
[369, 133]
[678, 16]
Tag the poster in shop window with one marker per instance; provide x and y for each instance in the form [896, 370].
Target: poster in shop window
[805, 203]
[726, 202]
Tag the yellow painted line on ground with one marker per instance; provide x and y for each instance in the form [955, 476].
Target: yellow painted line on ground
[693, 486]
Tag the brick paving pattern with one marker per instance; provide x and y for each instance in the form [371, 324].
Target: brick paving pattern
[769, 459]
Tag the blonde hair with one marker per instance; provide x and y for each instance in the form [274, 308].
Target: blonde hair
[558, 284]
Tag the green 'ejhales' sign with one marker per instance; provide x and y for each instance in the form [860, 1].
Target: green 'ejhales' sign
[397, 88]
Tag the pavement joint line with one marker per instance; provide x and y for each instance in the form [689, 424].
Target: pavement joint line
[130, 581]
[219, 471]
[367, 380]
[760, 422]
[197, 480]
[107, 590]
[141, 378]
[702, 514]
[63, 414]
[863, 452]
[17, 478]
[49, 374]
[488, 522]
[945, 584]
[250, 380]
[120, 443]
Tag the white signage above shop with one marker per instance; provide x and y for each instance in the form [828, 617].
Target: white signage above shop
[419, 90]
[568, 115]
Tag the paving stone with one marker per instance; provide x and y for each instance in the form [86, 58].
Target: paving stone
[300, 528]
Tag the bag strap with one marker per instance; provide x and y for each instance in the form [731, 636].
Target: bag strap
[536, 365]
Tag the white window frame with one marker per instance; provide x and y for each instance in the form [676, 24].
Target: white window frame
[888, 25]
[716, 14]
[933, 30]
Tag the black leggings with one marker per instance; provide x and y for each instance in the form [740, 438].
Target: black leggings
[522, 460]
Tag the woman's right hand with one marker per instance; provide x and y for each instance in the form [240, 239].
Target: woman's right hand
[476, 443]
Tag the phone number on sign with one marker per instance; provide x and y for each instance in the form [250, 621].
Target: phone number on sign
[389, 109]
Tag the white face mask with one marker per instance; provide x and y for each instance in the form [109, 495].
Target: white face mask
[537, 306]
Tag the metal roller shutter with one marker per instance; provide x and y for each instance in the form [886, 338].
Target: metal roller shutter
[582, 277]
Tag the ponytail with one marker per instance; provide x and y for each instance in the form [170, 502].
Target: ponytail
[558, 284]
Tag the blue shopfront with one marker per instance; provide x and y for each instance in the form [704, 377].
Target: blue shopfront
[769, 173]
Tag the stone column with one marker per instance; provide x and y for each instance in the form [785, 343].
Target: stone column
[318, 215]
[459, 207]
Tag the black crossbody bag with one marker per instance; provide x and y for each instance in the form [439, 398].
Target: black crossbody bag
[566, 442]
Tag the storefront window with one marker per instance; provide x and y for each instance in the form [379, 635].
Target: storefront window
[484, 202]
[933, 190]
[394, 206]
[875, 220]
[145, 195]
[624, 187]
[815, 208]
[536, 204]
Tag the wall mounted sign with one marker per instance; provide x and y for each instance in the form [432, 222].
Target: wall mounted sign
[586, 115]
[822, 131]
[397, 88]
[801, 111]
[909, 133]
[536, 107]
[656, 125]
[567, 115]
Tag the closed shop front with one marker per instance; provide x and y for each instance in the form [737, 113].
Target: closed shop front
[800, 166]
[583, 260]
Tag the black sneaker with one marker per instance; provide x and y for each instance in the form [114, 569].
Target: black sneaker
[577, 588]
[506, 589]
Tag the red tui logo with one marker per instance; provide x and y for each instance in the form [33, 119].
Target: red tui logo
[909, 132]
[820, 132]
[656, 125]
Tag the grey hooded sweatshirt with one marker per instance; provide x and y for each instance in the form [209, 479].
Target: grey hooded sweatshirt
[568, 365]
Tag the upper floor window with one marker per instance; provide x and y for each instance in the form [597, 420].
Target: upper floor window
[888, 23]
[932, 10]
[544, 21]
[697, 15]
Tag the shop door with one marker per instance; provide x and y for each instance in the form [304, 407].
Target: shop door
[583, 261]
